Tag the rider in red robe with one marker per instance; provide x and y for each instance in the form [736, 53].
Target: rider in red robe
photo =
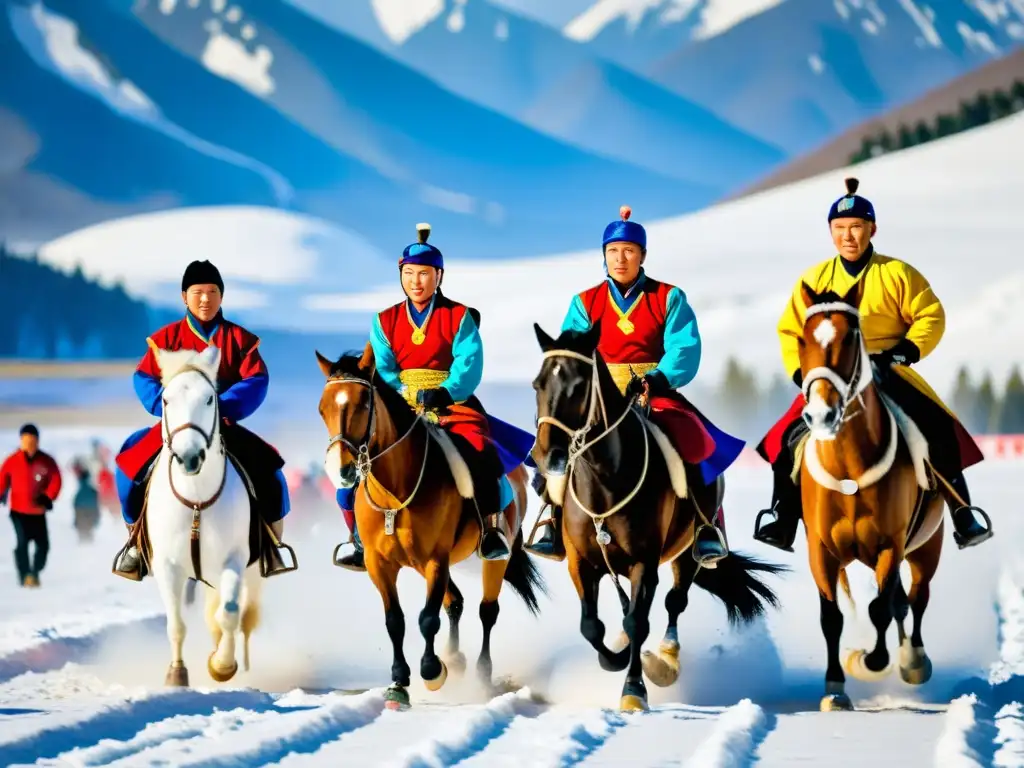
[428, 348]
[242, 383]
[649, 328]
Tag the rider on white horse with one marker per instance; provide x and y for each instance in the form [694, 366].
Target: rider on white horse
[242, 382]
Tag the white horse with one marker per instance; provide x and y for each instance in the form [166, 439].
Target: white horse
[197, 516]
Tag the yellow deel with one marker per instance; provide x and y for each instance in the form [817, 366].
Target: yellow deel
[896, 302]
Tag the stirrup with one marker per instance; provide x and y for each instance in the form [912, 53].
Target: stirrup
[271, 561]
[709, 561]
[504, 538]
[986, 534]
[139, 573]
[541, 523]
[336, 560]
[759, 535]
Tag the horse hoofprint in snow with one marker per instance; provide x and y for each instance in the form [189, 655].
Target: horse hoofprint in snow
[195, 493]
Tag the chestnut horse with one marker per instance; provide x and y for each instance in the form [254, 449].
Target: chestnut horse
[623, 514]
[410, 514]
[876, 512]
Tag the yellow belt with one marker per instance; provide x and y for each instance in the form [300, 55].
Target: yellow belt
[415, 379]
[621, 372]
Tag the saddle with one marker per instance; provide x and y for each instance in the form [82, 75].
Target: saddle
[264, 545]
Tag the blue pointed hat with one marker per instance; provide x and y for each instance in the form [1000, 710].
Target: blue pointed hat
[851, 205]
[625, 230]
[422, 252]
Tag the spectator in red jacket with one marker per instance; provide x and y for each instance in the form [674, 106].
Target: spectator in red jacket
[31, 480]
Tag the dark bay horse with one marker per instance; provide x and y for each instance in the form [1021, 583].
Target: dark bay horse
[410, 514]
[862, 496]
[622, 514]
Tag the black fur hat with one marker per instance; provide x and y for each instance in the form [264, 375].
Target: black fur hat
[201, 273]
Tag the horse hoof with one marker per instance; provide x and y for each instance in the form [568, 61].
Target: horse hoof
[836, 702]
[620, 643]
[856, 666]
[918, 673]
[396, 699]
[456, 663]
[631, 703]
[662, 668]
[177, 675]
[219, 675]
[437, 682]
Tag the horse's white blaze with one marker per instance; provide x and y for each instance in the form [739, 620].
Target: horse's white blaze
[341, 398]
[817, 409]
[825, 333]
[332, 466]
[224, 525]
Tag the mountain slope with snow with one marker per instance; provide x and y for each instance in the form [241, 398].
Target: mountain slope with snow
[797, 73]
[531, 73]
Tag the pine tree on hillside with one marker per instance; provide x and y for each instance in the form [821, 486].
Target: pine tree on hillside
[965, 399]
[922, 133]
[946, 125]
[1017, 94]
[1011, 408]
[739, 394]
[985, 406]
[886, 142]
[906, 137]
[1002, 105]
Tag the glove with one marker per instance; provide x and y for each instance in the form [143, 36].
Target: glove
[42, 500]
[903, 352]
[435, 398]
[651, 383]
[798, 378]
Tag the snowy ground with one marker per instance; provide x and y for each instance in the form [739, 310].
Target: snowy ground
[82, 662]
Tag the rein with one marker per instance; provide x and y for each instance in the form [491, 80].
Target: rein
[364, 462]
[849, 392]
[197, 507]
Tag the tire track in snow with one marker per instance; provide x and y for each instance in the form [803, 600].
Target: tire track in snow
[124, 719]
[467, 734]
[242, 736]
[737, 733]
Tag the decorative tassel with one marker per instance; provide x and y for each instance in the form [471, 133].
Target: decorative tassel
[625, 212]
[852, 185]
[423, 230]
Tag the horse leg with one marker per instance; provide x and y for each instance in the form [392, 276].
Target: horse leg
[432, 669]
[454, 659]
[874, 666]
[644, 580]
[493, 573]
[915, 666]
[662, 668]
[171, 582]
[221, 664]
[586, 579]
[385, 577]
[252, 586]
[825, 569]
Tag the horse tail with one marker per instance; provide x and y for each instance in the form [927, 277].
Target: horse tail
[522, 575]
[844, 582]
[735, 583]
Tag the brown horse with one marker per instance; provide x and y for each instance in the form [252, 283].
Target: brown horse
[623, 513]
[876, 512]
[410, 514]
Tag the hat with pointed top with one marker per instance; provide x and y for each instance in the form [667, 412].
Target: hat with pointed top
[422, 252]
[851, 205]
[625, 230]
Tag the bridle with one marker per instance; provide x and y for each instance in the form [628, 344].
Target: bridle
[364, 462]
[849, 391]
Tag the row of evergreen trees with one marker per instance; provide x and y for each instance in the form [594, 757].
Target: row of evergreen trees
[50, 314]
[743, 408]
[984, 108]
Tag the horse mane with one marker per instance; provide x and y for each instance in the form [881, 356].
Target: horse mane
[357, 365]
[173, 361]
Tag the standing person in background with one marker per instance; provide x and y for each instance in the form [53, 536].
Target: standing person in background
[30, 482]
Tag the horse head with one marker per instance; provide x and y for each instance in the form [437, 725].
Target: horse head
[567, 397]
[348, 408]
[191, 411]
[833, 359]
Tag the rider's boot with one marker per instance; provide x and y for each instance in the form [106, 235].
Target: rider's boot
[354, 560]
[128, 562]
[487, 489]
[550, 543]
[967, 532]
[786, 509]
[709, 545]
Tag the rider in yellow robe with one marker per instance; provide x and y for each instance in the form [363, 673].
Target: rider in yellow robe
[902, 321]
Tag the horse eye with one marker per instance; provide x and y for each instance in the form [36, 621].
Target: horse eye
[209, 400]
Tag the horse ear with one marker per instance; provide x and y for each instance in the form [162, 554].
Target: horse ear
[545, 341]
[368, 362]
[592, 337]
[324, 363]
[209, 359]
[853, 296]
[809, 296]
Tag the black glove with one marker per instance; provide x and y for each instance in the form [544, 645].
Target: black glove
[904, 352]
[798, 378]
[654, 382]
[42, 500]
[435, 398]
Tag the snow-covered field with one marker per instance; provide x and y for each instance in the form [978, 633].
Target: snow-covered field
[82, 662]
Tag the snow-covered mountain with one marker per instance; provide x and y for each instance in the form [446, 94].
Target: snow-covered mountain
[530, 72]
[942, 206]
[133, 107]
[797, 72]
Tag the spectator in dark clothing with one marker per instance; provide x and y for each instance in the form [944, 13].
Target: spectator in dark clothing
[29, 483]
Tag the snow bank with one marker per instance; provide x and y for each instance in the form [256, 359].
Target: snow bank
[733, 740]
[953, 749]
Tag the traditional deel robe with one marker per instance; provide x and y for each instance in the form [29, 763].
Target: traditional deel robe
[441, 347]
[896, 303]
[652, 327]
[242, 381]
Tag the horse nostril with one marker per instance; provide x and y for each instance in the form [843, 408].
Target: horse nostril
[202, 454]
[557, 459]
